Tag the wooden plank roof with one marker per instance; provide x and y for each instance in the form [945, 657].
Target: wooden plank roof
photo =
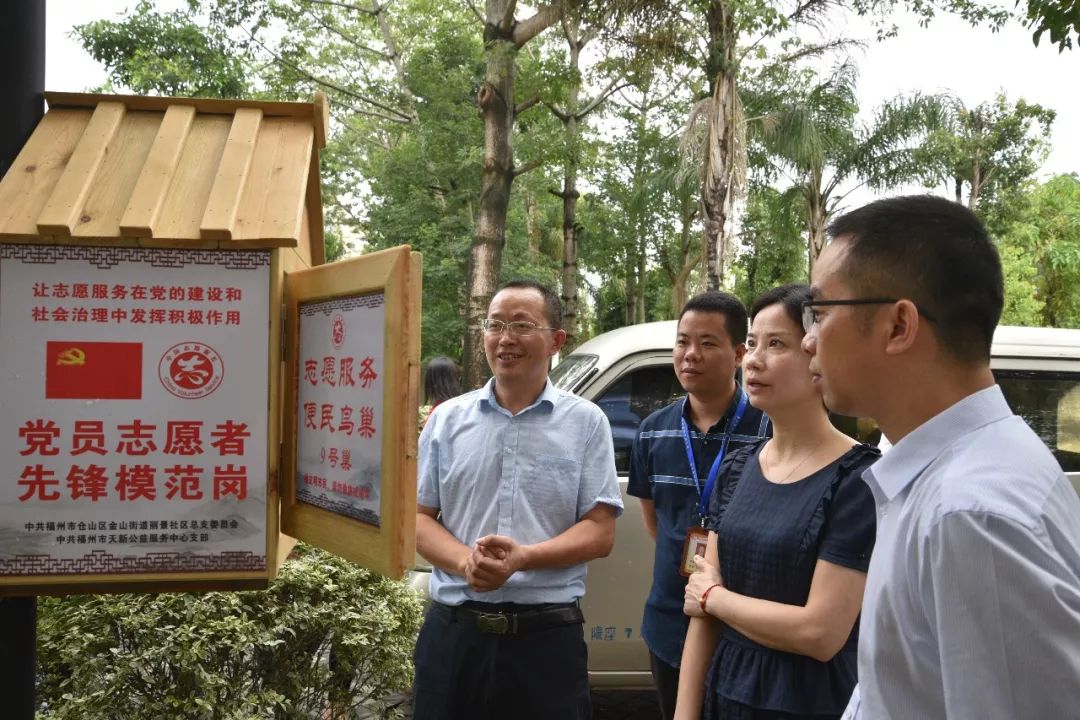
[168, 172]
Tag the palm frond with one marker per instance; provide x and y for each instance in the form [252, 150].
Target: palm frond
[693, 138]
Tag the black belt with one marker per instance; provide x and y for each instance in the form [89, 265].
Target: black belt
[510, 618]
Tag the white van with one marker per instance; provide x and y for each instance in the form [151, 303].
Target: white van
[628, 373]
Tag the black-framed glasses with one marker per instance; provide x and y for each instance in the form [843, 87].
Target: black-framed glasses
[518, 328]
[810, 316]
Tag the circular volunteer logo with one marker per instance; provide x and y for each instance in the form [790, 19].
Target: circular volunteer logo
[191, 370]
[337, 330]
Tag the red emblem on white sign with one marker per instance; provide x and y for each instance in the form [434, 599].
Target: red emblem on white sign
[337, 330]
[191, 370]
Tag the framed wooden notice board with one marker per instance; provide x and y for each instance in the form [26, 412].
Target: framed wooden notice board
[351, 380]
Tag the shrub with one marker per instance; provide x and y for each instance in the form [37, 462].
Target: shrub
[230, 655]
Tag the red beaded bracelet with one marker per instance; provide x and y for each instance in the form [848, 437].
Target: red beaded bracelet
[705, 596]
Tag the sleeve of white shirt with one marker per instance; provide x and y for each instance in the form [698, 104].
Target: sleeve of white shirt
[599, 479]
[1005, 606]
[854, 706]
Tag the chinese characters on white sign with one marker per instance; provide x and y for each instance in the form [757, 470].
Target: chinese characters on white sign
[134, 387]
[339, 405]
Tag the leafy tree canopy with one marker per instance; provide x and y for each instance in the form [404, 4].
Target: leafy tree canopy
[1059, 18]
[166, 53]
[1041, 251]
[986, 150]
[772, 246]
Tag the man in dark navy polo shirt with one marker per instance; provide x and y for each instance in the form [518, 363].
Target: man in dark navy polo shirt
[714, 418]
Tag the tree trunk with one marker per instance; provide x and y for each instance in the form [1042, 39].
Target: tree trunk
[571, 235]
[503, 37]
[631, 289]
[494, 99]
[636, 211]
[716, 192]
[976, 185]
[680, 278]
[532, 227]
[816, 220]
[639, 301]
[570, 229]
[679, 293]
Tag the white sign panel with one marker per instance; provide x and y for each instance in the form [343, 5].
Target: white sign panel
[339, 405]
[134, 391]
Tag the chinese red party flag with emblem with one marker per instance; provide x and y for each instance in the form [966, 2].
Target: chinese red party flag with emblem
[77, 370]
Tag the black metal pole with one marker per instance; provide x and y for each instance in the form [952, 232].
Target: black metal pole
[22, 81]
[22, 104]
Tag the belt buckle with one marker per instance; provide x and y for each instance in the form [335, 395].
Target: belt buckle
[493, 623]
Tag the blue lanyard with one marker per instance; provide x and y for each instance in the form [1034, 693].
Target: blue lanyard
[704, 494]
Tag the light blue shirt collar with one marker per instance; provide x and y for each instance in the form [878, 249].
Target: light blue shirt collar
[487, 398]
[908, 458]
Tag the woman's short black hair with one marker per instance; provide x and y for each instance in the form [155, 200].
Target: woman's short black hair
[791, 296]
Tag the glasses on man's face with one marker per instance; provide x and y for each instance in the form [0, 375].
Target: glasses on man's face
[810, 314]
[517, 328]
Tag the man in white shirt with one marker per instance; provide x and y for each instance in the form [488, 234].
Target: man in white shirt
[972, 602]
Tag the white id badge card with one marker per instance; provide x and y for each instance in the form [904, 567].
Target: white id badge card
[697, 539]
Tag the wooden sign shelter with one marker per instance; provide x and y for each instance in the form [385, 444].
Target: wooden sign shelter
[147, 246]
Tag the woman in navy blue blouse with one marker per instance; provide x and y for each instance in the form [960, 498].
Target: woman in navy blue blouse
[775, 603]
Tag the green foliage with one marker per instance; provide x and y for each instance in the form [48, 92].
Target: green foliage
[230, 655]
[424, 187]
[403, 161]
[423, 192]
[1060, 18]
[335, 244]
[992, 150]
[975, 12]
[645, 213]
[657, 297]
[1041, 252]
[773, 247]
[166, 54]
[610, 303]
[807, 130]
[1021, 275]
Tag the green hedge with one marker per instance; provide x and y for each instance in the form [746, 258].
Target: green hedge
[230, 655]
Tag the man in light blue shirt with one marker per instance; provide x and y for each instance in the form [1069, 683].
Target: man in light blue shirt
[972, 601]
[517, 490]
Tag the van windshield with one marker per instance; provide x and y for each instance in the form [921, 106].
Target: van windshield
[568, 374]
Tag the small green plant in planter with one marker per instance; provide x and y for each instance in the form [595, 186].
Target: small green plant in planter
[231, 655]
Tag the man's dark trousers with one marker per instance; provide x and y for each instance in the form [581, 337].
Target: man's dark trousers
[465, 673]
[666, 679]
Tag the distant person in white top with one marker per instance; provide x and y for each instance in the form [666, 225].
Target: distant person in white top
[972, 601]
